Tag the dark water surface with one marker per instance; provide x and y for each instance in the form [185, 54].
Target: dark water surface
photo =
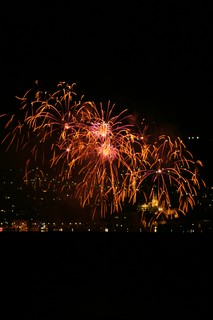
[107, 275]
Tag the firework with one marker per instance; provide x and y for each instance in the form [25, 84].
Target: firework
[107, 154]
[169, 181]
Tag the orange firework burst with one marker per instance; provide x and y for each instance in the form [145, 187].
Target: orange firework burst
[169, 181]
[109, 159]
[107, 156]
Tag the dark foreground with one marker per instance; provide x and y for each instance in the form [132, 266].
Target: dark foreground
[106, 275]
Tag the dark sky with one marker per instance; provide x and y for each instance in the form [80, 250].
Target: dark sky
[153, 59]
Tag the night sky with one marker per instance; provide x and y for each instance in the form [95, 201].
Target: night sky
[152, 58]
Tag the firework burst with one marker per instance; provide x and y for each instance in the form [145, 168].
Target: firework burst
[109, 159]
[169, 180]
